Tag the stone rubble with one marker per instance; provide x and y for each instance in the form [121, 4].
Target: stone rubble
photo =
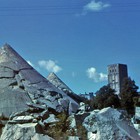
[24, 85]
[110, 124]
[30, 104]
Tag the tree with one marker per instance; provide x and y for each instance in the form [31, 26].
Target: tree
[106, 97]
[127, 94]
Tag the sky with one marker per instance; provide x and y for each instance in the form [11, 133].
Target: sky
[76, 39]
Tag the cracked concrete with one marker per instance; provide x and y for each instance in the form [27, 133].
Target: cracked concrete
[22, 84]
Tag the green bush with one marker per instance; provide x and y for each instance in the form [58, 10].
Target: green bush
[128, 95]
[105, 97]
[59, 129]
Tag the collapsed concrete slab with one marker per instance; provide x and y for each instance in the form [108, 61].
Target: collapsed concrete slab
[21, 85]
[110, 124]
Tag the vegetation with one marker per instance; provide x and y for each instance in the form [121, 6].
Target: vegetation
[127, 99]
[129, 95]
[81, 132]
[59, 129]
[105, 97]
[136, 101]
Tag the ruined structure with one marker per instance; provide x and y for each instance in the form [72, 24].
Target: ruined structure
[22, 86]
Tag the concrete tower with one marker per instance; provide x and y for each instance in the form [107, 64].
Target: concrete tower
[116, 74]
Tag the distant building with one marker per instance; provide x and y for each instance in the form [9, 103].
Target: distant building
[116, 74]
[87, 95]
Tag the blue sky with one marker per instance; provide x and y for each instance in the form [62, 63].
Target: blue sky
[76, 39]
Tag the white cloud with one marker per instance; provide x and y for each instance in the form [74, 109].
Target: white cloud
[50, 65]
[30, 63]
[95, 76]
[102, 77]
[94, 6]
